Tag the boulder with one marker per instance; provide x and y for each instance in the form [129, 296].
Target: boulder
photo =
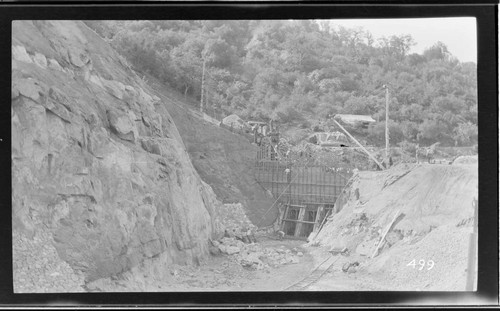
[29, 88]
[151, 145]
[114, 88]
[54, 65]
[78, 57]
[230, 250]
[19, 53]
[122, 125]
[40, 60]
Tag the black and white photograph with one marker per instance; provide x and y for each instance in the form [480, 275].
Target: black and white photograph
[243, 155]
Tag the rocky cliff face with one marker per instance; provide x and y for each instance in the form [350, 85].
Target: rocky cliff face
[94, 161]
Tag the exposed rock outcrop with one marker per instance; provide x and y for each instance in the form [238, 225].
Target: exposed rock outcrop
[94, 162]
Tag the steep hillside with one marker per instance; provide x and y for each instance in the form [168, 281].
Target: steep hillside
[223, 159]
[96, 165]
[299, 71]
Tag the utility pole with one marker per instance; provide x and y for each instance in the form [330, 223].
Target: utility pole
[202, 85]
[386, 125]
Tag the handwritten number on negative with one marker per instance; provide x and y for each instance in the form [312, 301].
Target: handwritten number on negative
[421, 264]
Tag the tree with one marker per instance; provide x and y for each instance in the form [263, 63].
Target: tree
[296, 70]
[187, 65]
[218, 53]
[431, 131]
[396, 46]
[415, 59]
[466, 133]
[409, 130]
[438, 51]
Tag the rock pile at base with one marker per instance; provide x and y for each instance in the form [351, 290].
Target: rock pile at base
[234, 222]
[256, 257]
[38, 268]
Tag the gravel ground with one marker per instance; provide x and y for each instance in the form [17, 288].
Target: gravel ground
[37, 267]
[440, 262]
[218, 273]
[442, 252]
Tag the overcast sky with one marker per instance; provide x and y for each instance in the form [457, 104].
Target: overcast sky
[457, 33]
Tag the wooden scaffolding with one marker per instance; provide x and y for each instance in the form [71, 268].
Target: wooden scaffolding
[307, 194]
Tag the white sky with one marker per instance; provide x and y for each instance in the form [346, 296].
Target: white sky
[457, 33]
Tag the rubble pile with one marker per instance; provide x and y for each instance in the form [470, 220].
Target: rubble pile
[234, 215]
[240, 243]
[235, 223]
[38, 268]
[256, 257]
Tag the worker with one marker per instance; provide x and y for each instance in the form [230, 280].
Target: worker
[274, 138]
[313, 140]
[428, 154]
[280, 234]
[259, 139]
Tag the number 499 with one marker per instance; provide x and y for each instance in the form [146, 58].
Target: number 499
[422, 263]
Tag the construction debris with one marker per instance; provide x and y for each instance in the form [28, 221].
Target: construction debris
[382, 240]
[350, 267]
[236, 224]
[339, 250]
[256, 257]
[240, 243]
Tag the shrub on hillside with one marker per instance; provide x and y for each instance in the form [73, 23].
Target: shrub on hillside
[408, 147]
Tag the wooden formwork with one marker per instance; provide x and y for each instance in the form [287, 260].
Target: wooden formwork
[308, 193]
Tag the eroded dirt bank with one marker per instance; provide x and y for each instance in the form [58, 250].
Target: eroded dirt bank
[406, 228]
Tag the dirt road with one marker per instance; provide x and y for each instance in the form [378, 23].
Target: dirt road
[219, 273]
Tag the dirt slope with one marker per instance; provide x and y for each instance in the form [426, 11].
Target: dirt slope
[436, 217]
[223, 159]
[96, 165]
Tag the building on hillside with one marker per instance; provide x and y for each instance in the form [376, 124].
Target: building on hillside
[355, 119]
[234, 121]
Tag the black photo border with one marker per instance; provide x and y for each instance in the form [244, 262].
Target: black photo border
[486, 15]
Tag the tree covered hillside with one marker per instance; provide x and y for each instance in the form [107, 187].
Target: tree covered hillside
[298, 72]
